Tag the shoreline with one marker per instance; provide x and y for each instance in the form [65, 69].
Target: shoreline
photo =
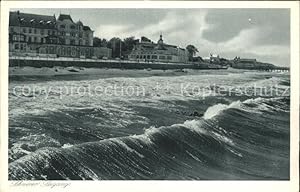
[111, 72]
[67, 73]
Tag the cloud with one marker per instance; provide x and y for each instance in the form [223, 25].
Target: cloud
[227, 32]
[176, 27]
[183, 27]
[109, 31]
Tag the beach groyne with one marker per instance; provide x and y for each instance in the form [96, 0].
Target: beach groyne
[118, 64]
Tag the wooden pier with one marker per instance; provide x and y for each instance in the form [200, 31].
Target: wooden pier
[277, 69]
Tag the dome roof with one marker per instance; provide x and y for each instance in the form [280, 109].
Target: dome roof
[79, 23]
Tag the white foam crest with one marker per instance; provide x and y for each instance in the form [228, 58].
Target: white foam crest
[254, 101]
[261, 106]
[146, 136]
[216, 109]
[195, 125]
[236, 153]
[193, 156]
[223, 138]
[124, 145]
[67, 145]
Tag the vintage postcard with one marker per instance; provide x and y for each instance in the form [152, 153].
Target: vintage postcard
[149, 96]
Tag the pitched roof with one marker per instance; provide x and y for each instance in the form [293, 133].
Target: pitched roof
[62, 17]
[31, 20]
[86, 28]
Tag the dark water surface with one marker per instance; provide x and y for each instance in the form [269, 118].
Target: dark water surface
[166, 133]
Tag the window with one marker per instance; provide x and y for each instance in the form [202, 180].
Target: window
[73, 34]
[148, 56]
[15, 38]
[35, 31]
[21, 47]
[63, 33]
[29, 39]
[51, 49]
[16, 46]
[53, 32]
[49, 32]
[73, 53]
[69, 51]
[169, 57]
[162, 57]
[62, 41]
[154, 56]
[72, 42]
[30, 30]
[11, 29]
[35, 39]
[72, 27]
[24, 30]
[42, 31]
[62, 26]
[80, 35]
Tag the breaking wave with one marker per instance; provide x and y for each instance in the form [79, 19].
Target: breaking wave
[226, 143]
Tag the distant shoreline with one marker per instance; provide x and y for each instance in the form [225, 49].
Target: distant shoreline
[81, 73]
[116, 64]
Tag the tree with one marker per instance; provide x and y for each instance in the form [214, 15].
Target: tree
[104, 43]
[145, 39]
[116, 46]
[192, 50]
[128, 45]
[96, 42]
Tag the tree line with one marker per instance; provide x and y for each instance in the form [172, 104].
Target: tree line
[122, 47]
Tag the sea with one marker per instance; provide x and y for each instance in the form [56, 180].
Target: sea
[170, 125]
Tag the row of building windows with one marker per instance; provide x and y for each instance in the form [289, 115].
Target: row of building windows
[68, 51]
[20, 46]
[50, 32]
[34, 31]
[30, 39]
[161, 57]
[71, 27]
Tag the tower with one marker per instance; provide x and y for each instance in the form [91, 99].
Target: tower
[160, 41]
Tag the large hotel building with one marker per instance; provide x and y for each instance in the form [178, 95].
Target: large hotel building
[42, 35]
[160, 52]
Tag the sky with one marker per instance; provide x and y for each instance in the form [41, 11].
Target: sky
[263, 34]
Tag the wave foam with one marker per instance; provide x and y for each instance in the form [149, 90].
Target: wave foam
[216, 109]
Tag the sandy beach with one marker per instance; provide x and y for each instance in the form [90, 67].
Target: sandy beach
[108, 72]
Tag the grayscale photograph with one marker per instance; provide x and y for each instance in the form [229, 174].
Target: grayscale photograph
[149, 94]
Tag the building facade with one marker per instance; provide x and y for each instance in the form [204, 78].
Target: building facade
[244, 63]
[37, 35]
[161, 52]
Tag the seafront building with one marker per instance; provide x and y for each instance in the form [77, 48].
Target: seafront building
[161, 52]
[44, 35]
[245, 63]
